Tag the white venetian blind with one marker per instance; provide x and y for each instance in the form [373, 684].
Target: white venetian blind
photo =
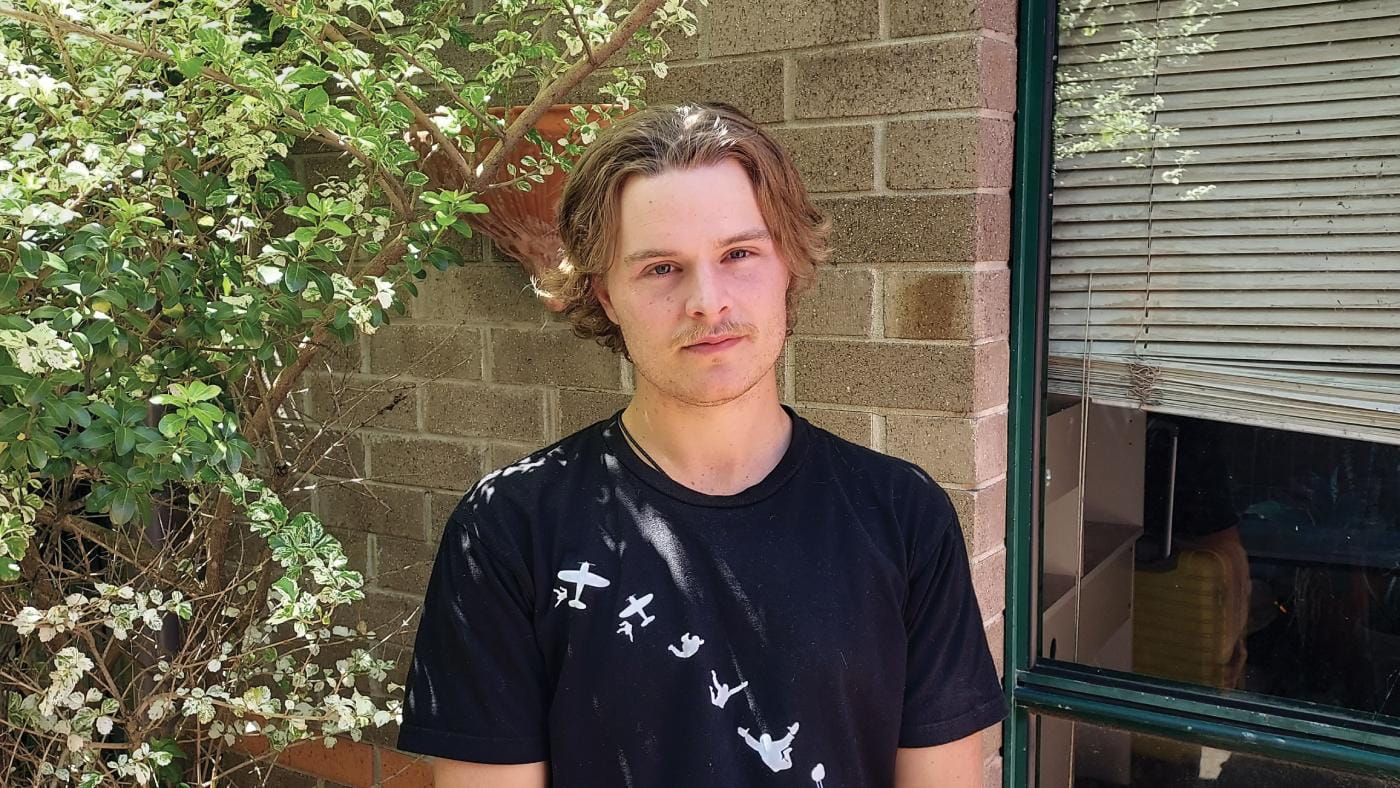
[1273, 297]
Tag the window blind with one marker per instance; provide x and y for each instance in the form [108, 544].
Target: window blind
[1257, 281]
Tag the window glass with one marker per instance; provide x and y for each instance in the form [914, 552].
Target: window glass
[1221, 503]
[1082, 755]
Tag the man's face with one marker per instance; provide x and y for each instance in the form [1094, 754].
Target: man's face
[694, 264]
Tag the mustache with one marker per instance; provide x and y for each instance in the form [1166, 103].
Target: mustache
[695, 334]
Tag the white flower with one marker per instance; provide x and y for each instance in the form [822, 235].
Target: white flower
[385, 294]
[361, 315]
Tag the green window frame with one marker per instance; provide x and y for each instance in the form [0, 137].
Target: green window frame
[1245, 722]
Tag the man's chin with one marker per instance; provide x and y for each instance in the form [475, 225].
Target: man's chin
[712, 393]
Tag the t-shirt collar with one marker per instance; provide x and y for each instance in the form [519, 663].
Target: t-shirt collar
[776, 478]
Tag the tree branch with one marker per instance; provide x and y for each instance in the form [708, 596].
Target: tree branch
[551, 93]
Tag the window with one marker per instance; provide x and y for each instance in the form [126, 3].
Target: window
[1205, 491]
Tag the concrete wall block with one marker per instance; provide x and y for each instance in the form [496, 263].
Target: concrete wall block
[426, 351]
[750, 85]
[993, 227]
[426, 462]
[578, 409]
[948, 153]
[735, 27]
[391, 615]
[996, 640]
[831, 158]
[555, 357]
[890, 78]
[354, 401]
[440, 507]
[996, 65]
[952, 450]
[954, 378]
[839, 303]
[402, 564]
[367, 507]
[902, 228]
[982, 515]
[854, 426]
[355, 544]
[482, 293]
[340, 358]
[989, 581]
[925, 17]
[946, 304]
[484, 411]
[323, 452]
[499, 454]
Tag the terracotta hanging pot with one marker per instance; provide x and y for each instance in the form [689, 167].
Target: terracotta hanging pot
[521, 223]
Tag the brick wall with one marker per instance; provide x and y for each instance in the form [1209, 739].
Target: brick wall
[899, 114]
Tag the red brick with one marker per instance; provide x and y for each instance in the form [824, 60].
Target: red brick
[348, 763]
[401, 771]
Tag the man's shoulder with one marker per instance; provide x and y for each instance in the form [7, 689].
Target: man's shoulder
[524, 483]
[854, 463]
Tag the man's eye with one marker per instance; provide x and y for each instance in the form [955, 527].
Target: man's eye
[655, 268]
[745, 252]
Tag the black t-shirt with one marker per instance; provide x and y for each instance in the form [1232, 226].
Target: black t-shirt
[587, 610]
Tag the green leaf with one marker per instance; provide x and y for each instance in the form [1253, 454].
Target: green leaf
[31, 257]
[309, 75]
[95, 437]
[12, 422]
[294, 278]
[126, 439]
[12, 376]
[323, 283]
[315, 99]
[171, 424]
[198, 391]
[123, 507]
[190, 66]
[444, 257]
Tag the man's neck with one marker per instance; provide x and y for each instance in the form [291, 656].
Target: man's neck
[715, 449]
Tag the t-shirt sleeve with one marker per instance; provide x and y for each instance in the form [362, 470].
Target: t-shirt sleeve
[951, 689]
[476, 688]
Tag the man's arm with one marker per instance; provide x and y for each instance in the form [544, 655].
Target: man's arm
[957, 764]
[460, 774]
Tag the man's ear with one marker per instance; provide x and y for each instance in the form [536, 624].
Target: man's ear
[600, 291]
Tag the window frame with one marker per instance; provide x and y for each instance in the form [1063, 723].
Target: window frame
[1246, 722]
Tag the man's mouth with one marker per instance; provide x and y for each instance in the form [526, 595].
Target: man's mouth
[715, 344]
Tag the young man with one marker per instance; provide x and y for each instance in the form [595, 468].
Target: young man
[703, 589]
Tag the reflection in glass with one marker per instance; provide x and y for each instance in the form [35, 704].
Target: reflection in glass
[1081, 755]
[1222, 441]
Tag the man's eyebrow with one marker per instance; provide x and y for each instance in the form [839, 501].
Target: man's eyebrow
[756, 234]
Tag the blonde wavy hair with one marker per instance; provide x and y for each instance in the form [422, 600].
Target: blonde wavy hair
[658, 139]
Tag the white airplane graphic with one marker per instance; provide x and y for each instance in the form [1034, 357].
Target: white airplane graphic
[638, 607]
[579, 578]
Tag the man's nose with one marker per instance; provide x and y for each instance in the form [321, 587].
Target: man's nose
[707, 293]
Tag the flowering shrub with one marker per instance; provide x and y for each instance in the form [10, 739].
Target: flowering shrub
[165, 281]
